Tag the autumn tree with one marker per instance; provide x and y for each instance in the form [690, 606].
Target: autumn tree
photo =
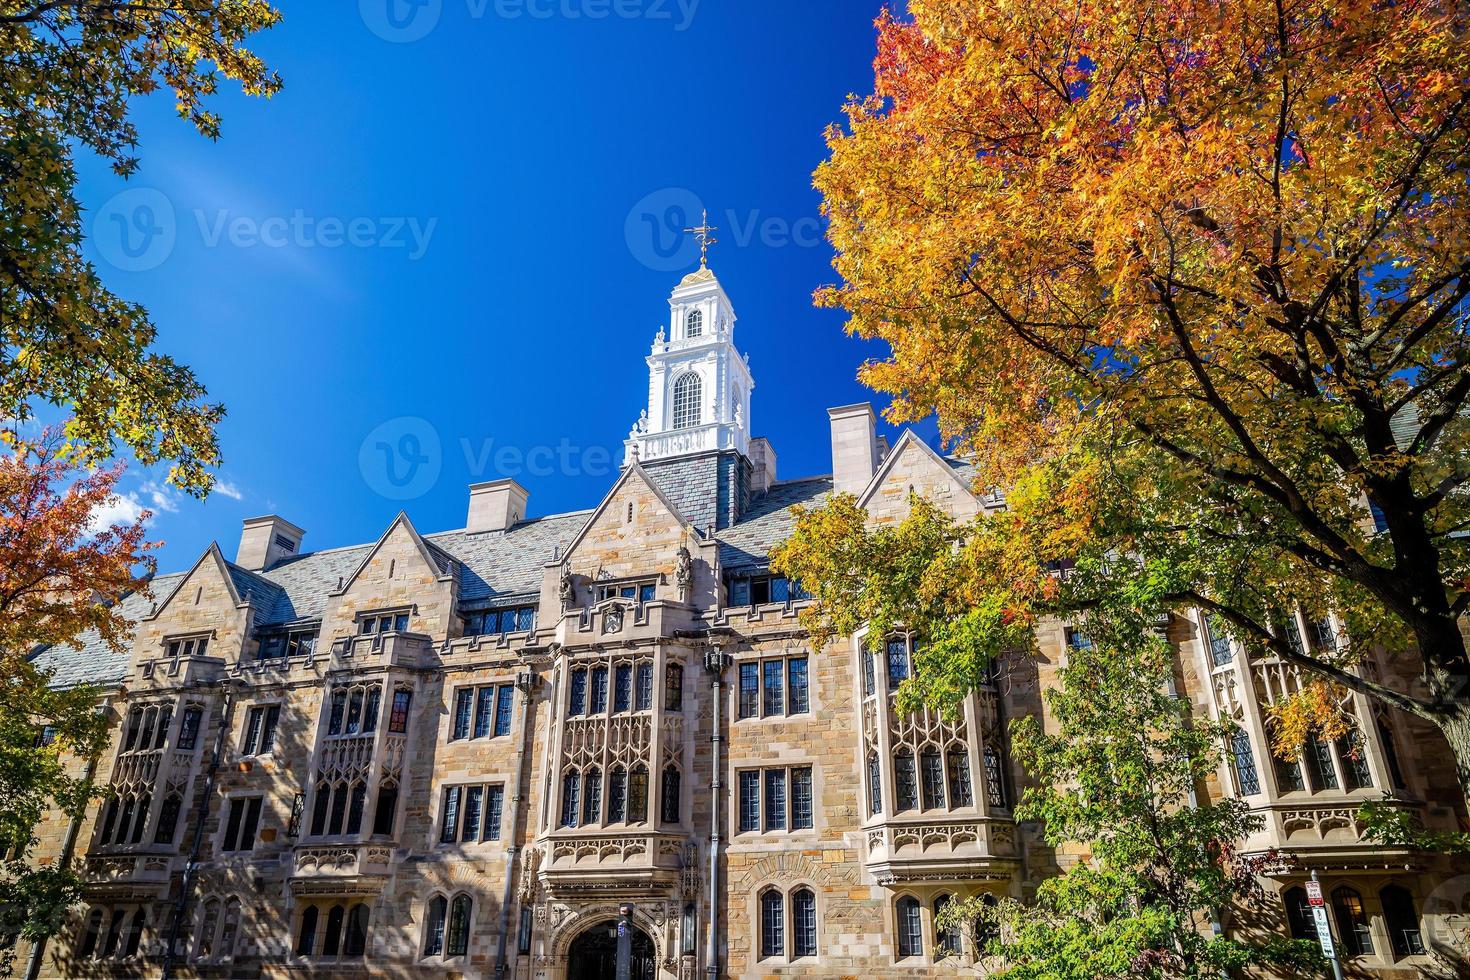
[1189, 281]
[68, 72]
[1162, 865]
[61, 575]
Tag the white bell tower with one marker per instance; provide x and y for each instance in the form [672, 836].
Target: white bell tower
[699, 385]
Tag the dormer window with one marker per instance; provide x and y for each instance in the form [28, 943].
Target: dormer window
[760, 590]
[389, 622]
[295, 643]
[641, 591]
[494, 622]
[694, 324]
[686, 401]
[193, 646]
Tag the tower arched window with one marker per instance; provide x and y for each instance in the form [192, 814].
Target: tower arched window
[694, 323]
[687, 391]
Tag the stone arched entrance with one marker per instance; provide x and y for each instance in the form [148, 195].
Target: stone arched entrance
[593, 955]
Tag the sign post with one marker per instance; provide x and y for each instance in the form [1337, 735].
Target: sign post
[625, 942]
[1323, 927]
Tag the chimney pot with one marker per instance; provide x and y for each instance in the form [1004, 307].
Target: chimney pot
[266, 540]
[496, 505]
[854, 448]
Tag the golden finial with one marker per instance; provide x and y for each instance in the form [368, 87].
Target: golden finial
[701, 233]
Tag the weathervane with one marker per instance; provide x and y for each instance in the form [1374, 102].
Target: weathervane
[701, 233]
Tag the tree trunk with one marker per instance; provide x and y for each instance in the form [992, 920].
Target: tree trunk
[1454, 722]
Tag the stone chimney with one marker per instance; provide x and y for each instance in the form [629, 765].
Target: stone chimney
[854, 449]
[762, 464]
[496, 505]
[266, 540]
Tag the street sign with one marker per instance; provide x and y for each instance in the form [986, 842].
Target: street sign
[1314, 892]
[1324, 932]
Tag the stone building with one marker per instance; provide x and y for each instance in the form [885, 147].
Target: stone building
[459, 753]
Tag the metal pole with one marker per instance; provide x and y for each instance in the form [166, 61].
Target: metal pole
[625, 942]
[1329, 947]
[202, 811]
[715, 661]
[525, 683]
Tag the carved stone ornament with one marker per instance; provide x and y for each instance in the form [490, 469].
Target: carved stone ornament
[612, 620]
[684, 573]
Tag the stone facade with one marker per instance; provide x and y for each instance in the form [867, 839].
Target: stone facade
[459, 754]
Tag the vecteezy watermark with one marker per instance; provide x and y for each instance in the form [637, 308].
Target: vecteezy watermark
[657, 228]
[564, 459]
[401, 458]
[139, 228]
[403, 21]
[301, 230]
[1447, 916]
[400, 21]
[136, 229]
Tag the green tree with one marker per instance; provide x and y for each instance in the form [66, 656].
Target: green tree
[1205, 266]
[1125, 770]
[60, 576]
[69, 70]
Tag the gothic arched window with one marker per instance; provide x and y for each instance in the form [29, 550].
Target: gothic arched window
[803, 923]
[670, 808]
[168, 819]
[355, 943]
[910, 929]
[332, 941]
[459, 926]
[948, 938]
[638, 795]
[686, 401]
[694, 324]
[592, 797]
[773, 924]
[1352, 922]
[1402, 921]
[438, 917]
[306, 937]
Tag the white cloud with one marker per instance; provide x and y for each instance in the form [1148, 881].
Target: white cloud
[227, 489]
[119, 509]
[160, 498]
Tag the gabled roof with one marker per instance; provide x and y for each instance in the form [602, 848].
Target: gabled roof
[444, 564]
[228, 572]
[909, 441]
[90, 660]
[628, 474]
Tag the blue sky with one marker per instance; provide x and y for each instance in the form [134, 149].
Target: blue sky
[449, 214]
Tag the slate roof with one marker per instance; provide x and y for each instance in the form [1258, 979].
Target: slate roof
[767, 520]
[91, 661]
[492, 566]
